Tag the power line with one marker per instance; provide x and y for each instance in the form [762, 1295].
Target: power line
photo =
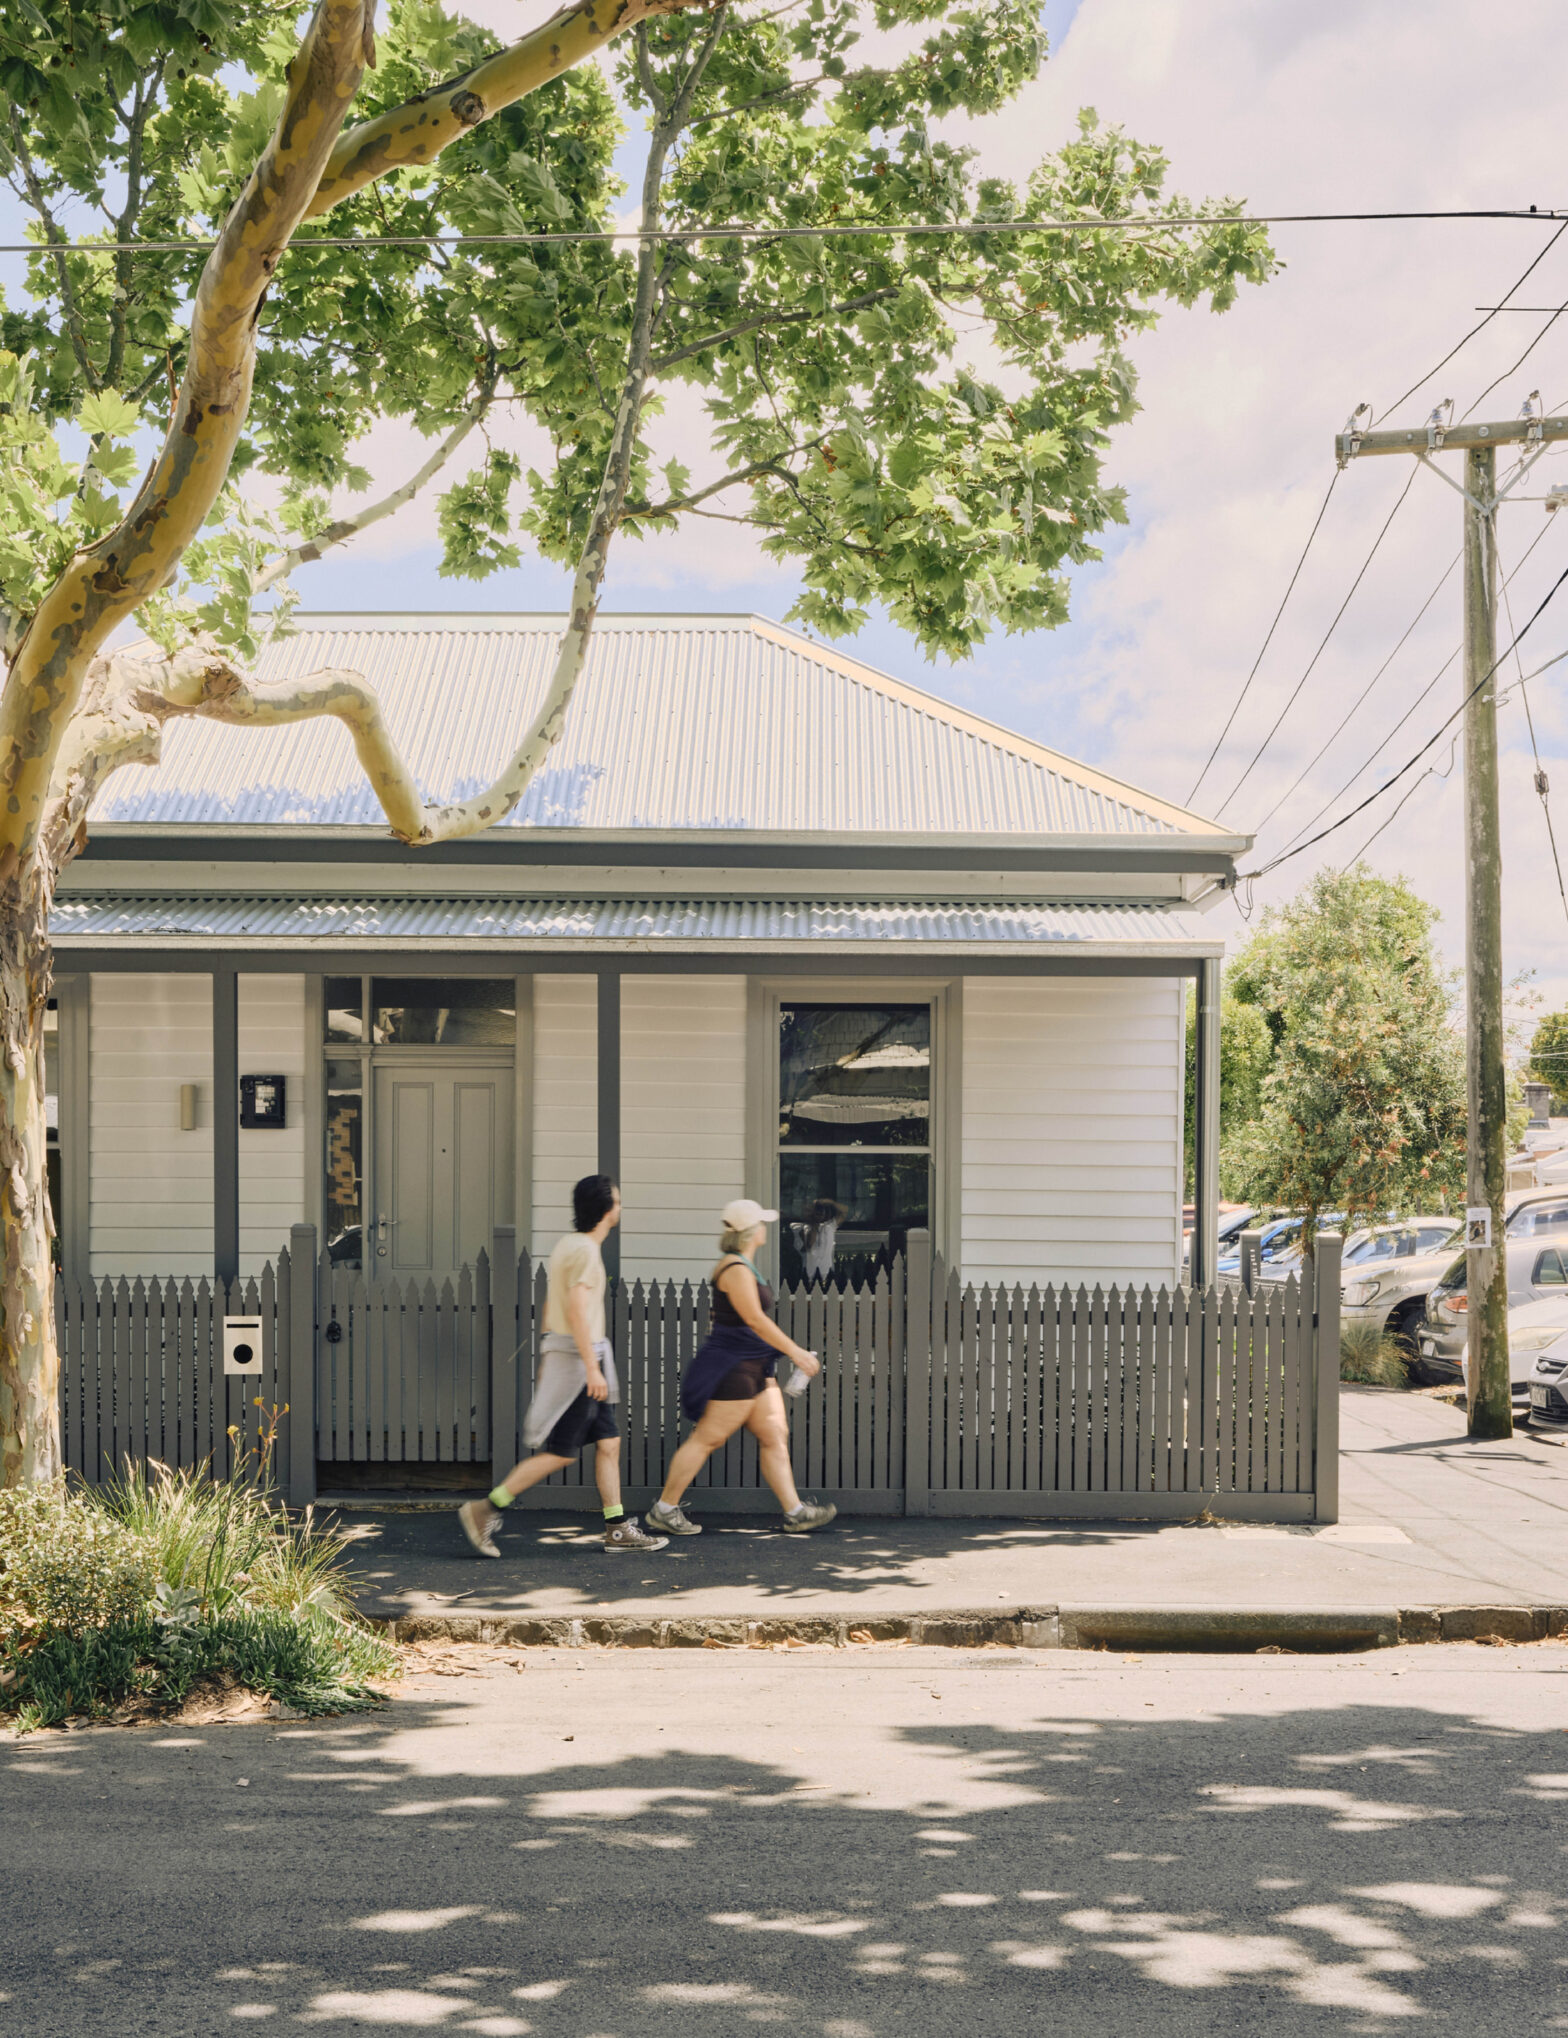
[1469, 336]
[1273, 626]
[1130, 223]
[1430, 772]
[1491, 312]
[1411, 762]
[1542, 785]
[1323, 643]
[1361, 698]
[1384, 741]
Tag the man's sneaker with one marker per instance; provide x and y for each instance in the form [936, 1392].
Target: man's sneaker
[629, 1534]
[476, 1528]
[811, 1514]
[672, 1520]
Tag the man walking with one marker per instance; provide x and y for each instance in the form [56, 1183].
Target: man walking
[575, 1388]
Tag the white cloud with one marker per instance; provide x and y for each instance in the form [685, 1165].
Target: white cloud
[1370, 107]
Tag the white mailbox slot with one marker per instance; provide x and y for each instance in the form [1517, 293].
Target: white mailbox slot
[242, 1344]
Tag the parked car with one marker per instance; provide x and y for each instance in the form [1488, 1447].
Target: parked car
[1389, 1271]
[1231, 1225]
[1537, 1355]
[1279, 1250]
[1537, 1272]
[1279, 1234]
[1535, 1211]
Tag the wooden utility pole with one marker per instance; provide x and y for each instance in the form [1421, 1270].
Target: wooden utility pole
[1490, 1395]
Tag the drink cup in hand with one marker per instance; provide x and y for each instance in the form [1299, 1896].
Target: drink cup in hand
[799, 1380]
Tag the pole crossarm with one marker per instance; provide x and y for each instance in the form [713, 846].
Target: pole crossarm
[1350, 446]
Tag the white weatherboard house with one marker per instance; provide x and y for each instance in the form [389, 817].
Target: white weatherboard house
[769, 923]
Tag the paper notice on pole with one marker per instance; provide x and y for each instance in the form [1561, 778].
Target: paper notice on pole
[1478, 1228]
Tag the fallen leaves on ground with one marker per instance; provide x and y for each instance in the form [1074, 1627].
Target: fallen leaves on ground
[460, 1659]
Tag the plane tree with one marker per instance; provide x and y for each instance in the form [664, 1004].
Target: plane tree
[916, 421]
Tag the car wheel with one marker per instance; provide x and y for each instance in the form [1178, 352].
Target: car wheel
[1402, 1329]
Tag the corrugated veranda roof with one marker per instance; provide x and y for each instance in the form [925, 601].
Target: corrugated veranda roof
[626, 923]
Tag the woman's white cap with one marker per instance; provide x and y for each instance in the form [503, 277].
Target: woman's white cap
[744, 1215]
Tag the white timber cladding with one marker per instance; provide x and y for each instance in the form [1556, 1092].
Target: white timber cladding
[1072, 1113]
[566, 1099]
[683, 1120]
[272, 1162]
[150, 1209]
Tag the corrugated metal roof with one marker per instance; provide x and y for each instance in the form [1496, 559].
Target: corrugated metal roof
[625, 923]
[678, 722]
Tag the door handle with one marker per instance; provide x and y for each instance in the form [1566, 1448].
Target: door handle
[383, 1235]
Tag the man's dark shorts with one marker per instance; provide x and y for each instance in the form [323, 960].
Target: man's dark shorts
[585, 1422]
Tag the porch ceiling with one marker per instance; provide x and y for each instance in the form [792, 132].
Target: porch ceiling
[744, 926]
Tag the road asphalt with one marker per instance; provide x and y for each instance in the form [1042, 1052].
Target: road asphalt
[1427, 1519]
[899, 1843]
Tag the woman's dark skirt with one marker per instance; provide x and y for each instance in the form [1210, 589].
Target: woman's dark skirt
[728, 1349]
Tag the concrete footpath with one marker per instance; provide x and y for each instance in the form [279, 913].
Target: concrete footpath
[1438, 1538]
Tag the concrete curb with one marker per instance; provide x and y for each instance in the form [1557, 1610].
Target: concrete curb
[1188, 1629]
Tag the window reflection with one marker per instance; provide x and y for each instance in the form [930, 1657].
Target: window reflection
[345, 1164]
[854, 1075]
[847, 1216]
[444, 1012]
[345, 1007]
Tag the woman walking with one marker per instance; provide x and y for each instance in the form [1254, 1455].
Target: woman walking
[730, 1384]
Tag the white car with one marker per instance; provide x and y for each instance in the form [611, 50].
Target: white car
[1537, 1357]
[1388, 1272]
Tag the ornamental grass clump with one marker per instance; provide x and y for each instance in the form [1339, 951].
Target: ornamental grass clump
[143, 1591]
[1370, 1357]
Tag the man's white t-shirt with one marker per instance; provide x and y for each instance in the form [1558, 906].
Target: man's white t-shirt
[576, 1262]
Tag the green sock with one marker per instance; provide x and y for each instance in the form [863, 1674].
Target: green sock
[614, 1513]
[500, 1497]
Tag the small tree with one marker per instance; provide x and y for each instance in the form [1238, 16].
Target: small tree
[842, 424]
[1549, 1057]
[1363, 1110]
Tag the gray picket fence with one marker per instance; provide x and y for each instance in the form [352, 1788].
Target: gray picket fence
[936, 1397]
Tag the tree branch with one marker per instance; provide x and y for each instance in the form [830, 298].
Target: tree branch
[126, 224]
[340, 532]
[411, 135]
[54, 244]
[111, 578]
[765, 319]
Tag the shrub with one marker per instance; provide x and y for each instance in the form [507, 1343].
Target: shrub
[155, 1583]
[1368, 1354]
[68, 1566]
[311, 1665]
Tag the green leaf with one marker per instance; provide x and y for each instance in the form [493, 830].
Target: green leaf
[107, 414]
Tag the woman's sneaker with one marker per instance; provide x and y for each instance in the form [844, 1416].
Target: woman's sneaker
[811, 1514]
[472, 1515]
[672, 1520]
[628, 1534]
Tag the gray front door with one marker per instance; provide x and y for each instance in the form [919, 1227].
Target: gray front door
[443, 1165]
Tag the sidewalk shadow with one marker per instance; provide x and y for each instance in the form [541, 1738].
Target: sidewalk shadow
[400, 1560]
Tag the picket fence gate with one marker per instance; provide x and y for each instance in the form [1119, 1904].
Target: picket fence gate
[936, 1397]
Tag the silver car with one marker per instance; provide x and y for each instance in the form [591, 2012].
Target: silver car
[1538, 1358]
[1389, 1271]
[1537, 1272]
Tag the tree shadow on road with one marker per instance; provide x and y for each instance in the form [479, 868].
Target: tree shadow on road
[1010, 1864]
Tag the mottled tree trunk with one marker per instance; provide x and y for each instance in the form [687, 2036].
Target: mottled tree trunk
[29, 1356]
